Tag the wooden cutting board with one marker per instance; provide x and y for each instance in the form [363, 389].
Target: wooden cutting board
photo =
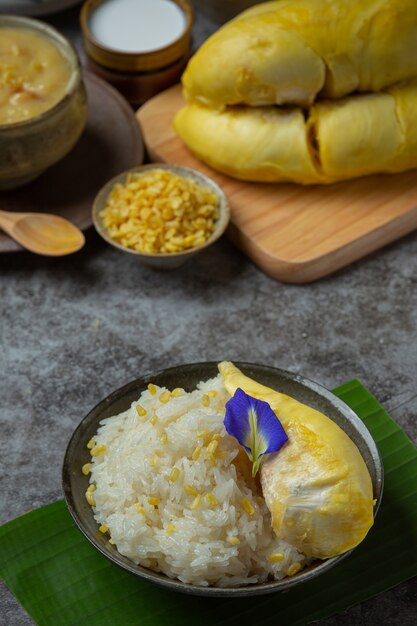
[295, 234]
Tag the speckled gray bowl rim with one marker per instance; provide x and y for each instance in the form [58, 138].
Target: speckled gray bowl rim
[187, 376]
[180, 170]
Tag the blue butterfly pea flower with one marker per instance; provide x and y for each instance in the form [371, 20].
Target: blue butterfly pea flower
[256, 427]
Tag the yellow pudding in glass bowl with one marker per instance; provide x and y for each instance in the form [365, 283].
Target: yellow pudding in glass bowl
[43, 105]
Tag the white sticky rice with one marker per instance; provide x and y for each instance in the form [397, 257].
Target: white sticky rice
[181, 536]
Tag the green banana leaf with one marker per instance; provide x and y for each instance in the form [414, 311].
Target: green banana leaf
[61, 580]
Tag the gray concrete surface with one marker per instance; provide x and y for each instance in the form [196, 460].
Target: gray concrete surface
[74, 329]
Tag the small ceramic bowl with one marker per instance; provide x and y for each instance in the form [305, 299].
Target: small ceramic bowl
[75, 483]
[163, 261]
[29, 147]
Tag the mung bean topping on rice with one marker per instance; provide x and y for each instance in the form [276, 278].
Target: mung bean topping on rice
[157, 211]
[174, 492]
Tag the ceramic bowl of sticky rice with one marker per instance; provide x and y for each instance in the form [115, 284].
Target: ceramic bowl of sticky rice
[157, 485]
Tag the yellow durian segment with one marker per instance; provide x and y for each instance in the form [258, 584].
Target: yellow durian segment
[389, 36]
[357, 135]
[262, 144]
[334, 140]
[405, 96]
[290, 51]
[238, 64]
[317, 486]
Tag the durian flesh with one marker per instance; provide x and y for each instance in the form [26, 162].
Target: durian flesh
[309, 57]
[334, 140]
[317, 486]
[290, 51]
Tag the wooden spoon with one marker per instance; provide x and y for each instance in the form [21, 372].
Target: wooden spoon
[42, 233]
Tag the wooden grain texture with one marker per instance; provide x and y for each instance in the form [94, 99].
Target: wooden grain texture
[294, 233]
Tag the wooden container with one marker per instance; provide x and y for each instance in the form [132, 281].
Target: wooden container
[140, 74]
